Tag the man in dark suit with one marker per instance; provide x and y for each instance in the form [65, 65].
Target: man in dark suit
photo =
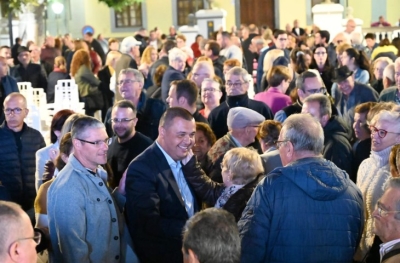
[158, 199]
[350, 93]
[27, 71]
[296, 30]
[248, 54]
[88, 37]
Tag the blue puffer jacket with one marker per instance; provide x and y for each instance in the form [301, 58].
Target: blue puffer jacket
[309, 211]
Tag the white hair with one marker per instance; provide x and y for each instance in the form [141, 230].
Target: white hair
[176, 53]
[356, 38]
[388, 72]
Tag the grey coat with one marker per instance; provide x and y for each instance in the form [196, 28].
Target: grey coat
[84, 221]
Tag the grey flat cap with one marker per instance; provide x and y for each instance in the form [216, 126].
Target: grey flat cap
[240, 117]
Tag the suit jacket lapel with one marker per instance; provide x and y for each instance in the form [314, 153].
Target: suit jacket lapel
[167, 173]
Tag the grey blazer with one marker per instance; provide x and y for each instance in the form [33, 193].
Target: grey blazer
[271, 160]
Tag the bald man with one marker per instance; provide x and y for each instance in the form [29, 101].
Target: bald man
[18, 241]
[18, 145]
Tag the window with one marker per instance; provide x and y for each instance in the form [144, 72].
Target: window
[186, 7]
[130, 16]
[316, 2]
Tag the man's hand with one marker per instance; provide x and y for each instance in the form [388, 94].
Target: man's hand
[188, 157]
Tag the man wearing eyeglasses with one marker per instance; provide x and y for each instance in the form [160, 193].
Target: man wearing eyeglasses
[127, 142]
[387, 221]
[85, 219]
[306, 211]
[18, 241]
[18, 146]
[307, 83]
[350, 93]
[236, 91]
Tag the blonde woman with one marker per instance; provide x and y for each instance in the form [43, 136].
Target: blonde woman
[59, 72]
[149, 56]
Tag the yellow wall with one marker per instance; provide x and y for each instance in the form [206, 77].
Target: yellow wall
[363, 10]
[159, 13]
[230, 12]
[392, 13]
[289, 10]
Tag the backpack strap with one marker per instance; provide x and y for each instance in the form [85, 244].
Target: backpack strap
[391, 253]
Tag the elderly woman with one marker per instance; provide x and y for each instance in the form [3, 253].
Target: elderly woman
[88, 84]
[177, 63]
[241, 171]
[373, 173]
[205, 138]
[267, 135]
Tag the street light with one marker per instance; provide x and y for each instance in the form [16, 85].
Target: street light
[57, 8]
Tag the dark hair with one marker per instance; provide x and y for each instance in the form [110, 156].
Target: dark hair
[213, 236]
[90, 34]
[65, 148]
[302, 77]
[163, 36]
[396, 43]
[298, 57]
[278, 32]
[18, 39]
[314, 65]
[269, 131]
[277, 74]
[360, 59]
[168, 45]
[325, 34]
[57, 123]
[187, 89]
[207, 131]
[384, 42]
[214, 47]
[125, 104]
[364, 107]
[370, 35]
[175, 112]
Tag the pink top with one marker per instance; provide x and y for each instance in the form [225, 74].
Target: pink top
[274, 98]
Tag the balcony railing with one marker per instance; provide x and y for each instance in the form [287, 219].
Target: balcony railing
[383, 32]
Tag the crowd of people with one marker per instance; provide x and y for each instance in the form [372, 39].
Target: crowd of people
[256, 145]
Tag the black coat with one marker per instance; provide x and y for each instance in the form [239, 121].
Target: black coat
[17, 172]
[337, 147]
[170, 75]
[219, 115]
[33, 73]
[209, 191]
[156, 213]
[152, 70]
[96, 46]
[53, 78]
[248, 54]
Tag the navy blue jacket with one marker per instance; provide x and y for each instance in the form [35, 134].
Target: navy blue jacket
[308, 211]
[170, 75]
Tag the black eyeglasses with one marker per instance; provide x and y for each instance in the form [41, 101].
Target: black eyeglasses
[8, 111]
[381, 132]
[236, 84]
[321, 90]
[97, 143]
[122, 120]
[280, 143]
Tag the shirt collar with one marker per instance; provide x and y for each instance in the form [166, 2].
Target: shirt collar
[385, 247]
[166, 155]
